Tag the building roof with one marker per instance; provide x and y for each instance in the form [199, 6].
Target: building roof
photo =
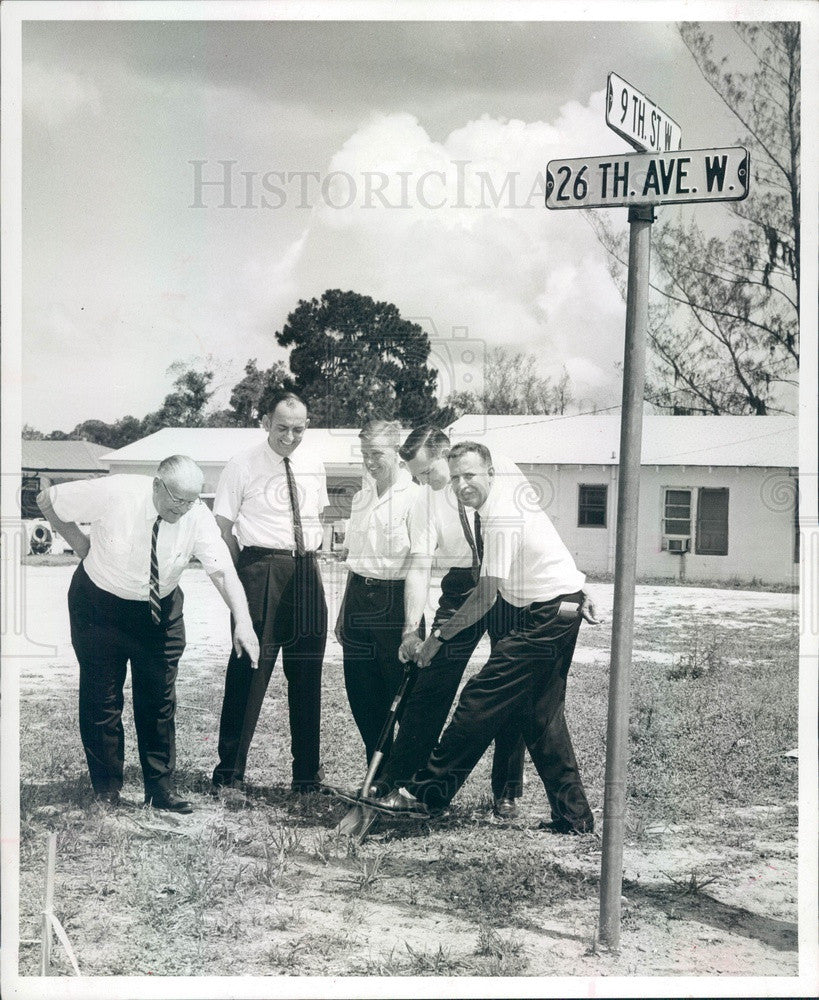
[205, 445]
[587, 439]
[594, 439]
[65, 456]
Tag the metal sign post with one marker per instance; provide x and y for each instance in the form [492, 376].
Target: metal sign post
[625, 572]
[662, 173]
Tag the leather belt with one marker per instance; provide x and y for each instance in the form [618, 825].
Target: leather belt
[262, 551]
[372, 581]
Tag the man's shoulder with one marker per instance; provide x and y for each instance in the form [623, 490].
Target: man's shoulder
[122, 484]
[249, 453]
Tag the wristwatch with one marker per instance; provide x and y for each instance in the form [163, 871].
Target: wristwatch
[436, 634]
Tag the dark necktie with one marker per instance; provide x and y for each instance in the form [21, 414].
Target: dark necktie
[153, 590]
[475, 547]
[298, 534]
[478, 537]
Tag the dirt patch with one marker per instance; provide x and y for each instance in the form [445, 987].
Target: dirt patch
[264, 886]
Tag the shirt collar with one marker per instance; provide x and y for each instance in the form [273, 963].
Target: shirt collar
[278, 459]
[402, 482]
[486, 507]
[150, 512]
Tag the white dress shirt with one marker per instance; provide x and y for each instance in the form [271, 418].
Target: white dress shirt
[521, 547]
[378, 538]
[121, 512]
[435, 524]
[252, 492]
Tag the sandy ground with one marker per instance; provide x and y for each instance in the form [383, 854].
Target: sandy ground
[746, 924]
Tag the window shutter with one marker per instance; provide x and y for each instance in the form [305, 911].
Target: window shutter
[712, 522]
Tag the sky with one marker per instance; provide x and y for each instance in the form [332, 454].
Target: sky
[186, 183]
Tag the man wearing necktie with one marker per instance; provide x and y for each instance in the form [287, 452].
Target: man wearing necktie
[441, 527]
[527, 570]
[267, 505]
[125, 605]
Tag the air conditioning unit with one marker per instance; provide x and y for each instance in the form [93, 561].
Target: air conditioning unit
[677, 544]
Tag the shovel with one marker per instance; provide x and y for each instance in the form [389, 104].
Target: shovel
[360, 818]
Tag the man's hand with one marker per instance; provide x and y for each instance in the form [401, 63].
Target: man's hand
[244, 638]
[409, 647]
[426, 651]
[588, 609]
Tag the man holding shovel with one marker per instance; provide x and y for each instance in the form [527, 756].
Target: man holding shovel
[371, 617]
[527, 569]
[439, 526]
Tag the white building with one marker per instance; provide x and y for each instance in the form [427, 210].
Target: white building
[717, 494]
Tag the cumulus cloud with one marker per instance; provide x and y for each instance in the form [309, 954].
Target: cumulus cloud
[456, 234]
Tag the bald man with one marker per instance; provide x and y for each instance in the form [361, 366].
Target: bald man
[125, 604]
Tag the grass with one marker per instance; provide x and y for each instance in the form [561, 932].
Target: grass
[268, 888]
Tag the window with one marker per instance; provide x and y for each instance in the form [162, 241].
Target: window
[591, 506]
[712, 522]
[677, 516]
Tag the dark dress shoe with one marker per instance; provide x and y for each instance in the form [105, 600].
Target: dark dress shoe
[310, 785]
[236, 785]
[110, 800]
[398, 803]
[170, 801]
[565, 827]
[504, 808]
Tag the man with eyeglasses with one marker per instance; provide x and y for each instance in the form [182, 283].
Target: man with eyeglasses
[125, 604]
[268, 502]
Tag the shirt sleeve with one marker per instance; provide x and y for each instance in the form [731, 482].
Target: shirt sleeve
[229, 491]
[81, 500]
[209, 547]
[354, 535]
[323, 498]
[422, 533]
[502, 536]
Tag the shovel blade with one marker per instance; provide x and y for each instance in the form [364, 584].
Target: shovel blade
[356, 823]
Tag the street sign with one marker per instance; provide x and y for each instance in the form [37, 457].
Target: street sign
[638, 120]
[648, 178]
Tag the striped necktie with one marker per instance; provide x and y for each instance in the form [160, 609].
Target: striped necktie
[298, 534]
[153, 590]
[475, 547]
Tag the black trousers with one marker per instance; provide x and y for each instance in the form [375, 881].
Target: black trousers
[286, 599]
[435, 689]
[371, 627]
[524, 679]
[107, 632]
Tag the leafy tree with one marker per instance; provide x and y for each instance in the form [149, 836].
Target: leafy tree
[512, 385]
[725, 327]
[30, 433]
[353, 358]
[115, 435]
[185, 406]
[246, 393]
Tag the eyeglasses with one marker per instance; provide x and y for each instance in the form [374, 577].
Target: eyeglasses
[177, 501]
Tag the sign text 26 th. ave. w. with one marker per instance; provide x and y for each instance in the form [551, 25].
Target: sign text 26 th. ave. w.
[648, 178]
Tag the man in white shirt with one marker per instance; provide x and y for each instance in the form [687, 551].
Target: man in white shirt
[439, 529]
[125, 604]
[526, 566]
[268, 505]
[377, 543]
